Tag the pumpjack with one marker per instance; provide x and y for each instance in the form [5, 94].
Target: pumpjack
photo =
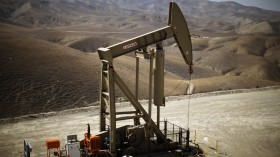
[135, 138]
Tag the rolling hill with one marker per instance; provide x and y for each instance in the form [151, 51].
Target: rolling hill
[202, 15]
[41, 76]
[48, 59]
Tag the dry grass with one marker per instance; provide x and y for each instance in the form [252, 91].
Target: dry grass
[40, 71]
[221, 83]
[250, 56]
[38, 76]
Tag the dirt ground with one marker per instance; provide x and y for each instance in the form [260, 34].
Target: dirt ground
[245, 122]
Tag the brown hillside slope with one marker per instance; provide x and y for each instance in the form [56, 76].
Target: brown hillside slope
[250, 56]
[38, 76]
[223, 63]
[45, 75]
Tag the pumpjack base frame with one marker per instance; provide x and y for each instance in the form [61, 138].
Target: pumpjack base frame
[145, 146]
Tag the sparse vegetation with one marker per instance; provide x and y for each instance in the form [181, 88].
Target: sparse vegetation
[49, 71]
[44, 66]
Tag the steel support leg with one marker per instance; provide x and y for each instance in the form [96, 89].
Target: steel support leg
[112, 112]
[103, 88]
[107, 100]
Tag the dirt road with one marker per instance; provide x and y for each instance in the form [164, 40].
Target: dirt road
[245, 123]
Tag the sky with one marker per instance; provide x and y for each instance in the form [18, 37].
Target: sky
[265, 4]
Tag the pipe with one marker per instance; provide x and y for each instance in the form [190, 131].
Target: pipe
[88, 131]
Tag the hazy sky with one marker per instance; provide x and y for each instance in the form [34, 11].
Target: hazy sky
[266, 4]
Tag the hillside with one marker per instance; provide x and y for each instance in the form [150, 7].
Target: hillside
[48, 59]
[117, 14]
[40, 76]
